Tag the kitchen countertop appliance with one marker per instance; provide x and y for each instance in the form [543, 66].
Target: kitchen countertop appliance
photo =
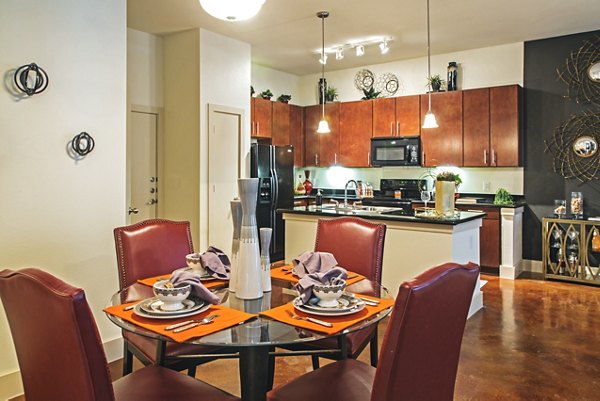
[398, 193]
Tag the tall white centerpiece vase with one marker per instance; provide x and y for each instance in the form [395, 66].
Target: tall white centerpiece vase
[444, 198]
[249, 272]
[236, 217]
[265, 260]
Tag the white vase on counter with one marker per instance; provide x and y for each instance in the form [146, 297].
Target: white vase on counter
[236, 217]
[444, 198]
[249, 272]
[265, 260]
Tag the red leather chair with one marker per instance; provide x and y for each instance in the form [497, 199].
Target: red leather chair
[60, 354]
[420, 350]
[146, 249]
[357, 245]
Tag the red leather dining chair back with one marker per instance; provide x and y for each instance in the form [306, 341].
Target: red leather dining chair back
[356, 243]
[151, 248]
[55, 337]
[421, 347]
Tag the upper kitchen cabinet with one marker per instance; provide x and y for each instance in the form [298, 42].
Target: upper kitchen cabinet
[297, 133]
[288, 129]
[280, 134]
[356, 125]
[506, 126]
[321, 150]
[400, 116]
[443, 145]
[261, 113]
[492, 121]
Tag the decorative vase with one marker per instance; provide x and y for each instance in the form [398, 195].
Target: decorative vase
[322, 90]
[236, 217]
[300, 186]
[249, 273]
[452, 76]
[308, 186]
[444, 197]
[265, 261]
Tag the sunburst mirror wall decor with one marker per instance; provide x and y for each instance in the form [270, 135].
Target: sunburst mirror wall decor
[581, 73]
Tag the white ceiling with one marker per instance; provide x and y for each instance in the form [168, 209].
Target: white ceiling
[286, 33]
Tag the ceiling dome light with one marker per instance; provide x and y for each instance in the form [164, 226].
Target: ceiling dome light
[383, 46]
[360, 50]
[232, 10]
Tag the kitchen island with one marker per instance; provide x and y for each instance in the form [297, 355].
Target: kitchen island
[412, 244]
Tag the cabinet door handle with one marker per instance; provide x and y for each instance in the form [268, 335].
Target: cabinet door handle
[485, 157]
[257, 128]
[392, 128]
[316, 159]
[335, 158]
[368, 158]
[423, 158]
[493, 157]
[398, 128]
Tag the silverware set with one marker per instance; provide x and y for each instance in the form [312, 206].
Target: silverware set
[309, 319]
[190, 324]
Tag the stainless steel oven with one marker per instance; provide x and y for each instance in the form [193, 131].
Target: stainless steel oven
[396, 151]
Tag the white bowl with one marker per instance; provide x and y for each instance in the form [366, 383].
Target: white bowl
[193, 262]
[171, 297]
[328, 294]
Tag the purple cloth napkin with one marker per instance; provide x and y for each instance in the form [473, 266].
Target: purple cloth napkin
[313, 262]
[336, 275]
[216, 263]
[181, 277]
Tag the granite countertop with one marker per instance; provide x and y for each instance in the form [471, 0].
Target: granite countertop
[369, 213]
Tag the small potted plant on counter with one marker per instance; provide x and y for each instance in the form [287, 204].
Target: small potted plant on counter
[435, 82]
[370, 93]
[331, 94]
[446, 183]
[267, 95]
[284, 98]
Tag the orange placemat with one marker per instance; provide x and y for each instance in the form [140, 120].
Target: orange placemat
[282, 313]
[227, 318]
[285, 273]
[208, 283]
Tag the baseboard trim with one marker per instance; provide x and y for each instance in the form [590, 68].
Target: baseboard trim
[11, 385]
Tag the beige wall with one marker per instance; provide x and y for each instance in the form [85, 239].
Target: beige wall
[278, 82]
[58, 213]
[145, 69]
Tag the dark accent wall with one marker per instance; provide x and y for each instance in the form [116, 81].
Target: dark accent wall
[546, 108]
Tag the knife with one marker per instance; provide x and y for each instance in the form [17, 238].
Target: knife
[321, 322]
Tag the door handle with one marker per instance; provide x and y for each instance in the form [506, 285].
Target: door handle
[152, 202]
[133, 210]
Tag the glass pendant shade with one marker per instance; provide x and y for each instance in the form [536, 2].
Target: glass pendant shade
[323, 127]
[232, 10]
[430, 121]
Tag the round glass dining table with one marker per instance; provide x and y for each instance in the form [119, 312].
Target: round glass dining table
[255, 340]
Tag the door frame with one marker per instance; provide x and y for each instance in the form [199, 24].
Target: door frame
[159, 112]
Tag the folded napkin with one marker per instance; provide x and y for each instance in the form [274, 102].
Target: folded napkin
[336, 275]
[313, 262]
[216, 263]
[182, 277]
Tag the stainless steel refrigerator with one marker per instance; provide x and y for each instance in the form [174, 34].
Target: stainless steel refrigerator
[274, 168]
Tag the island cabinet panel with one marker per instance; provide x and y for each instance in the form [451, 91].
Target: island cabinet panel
[489, 237]
[356, 127]
[297, 133]
[476, 128]
[321, 150]
[261, 118]
[506, 126]
[280, 128]
[384, 117]
[443, 145]
[408, 116]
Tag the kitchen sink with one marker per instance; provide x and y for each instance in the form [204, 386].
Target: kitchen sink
[359, 209]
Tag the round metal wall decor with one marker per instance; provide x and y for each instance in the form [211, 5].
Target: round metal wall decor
[581, 73]
[574, 146]
[387, 84]
[364, 80]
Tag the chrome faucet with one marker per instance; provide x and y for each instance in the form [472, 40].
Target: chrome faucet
[346, 191]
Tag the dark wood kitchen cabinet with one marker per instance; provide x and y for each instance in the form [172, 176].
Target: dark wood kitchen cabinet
[321, 150]
[489, 237]
[443, 145]
[400, 116]
[297, 133]
[261, 114]
[280, 128]
[492, 127]
[356, 127]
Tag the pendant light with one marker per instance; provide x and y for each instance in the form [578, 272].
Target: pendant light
[429, 121]
[232, 10]
[323, 124]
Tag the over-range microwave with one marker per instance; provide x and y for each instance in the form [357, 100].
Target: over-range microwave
[396, 151]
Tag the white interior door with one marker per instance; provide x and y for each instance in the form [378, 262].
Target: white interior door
[144, 179]
[223, 171]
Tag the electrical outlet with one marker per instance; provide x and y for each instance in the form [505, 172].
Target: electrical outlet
[486, 186]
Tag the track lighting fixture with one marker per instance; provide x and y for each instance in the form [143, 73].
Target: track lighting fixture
[360, 50]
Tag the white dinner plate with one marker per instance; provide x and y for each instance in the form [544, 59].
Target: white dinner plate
[345, 303]
[327, 311]
[149, 309]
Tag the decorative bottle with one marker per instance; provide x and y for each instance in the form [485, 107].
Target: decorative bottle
[308, 186]
[577, 205]
[249, 276]
[265, 261]
[236, 217]
[322, 90]
[300, 186]
[452, 76]
[595, 240]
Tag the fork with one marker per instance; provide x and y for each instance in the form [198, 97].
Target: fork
[188, 324]
[309, 319]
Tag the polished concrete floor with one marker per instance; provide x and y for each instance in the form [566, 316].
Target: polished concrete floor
[534, 340]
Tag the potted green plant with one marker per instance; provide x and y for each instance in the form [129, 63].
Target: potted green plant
[435, 82]
[331, 94]
[267, 95]
[370, 93]
[446, 183]
[284, 98]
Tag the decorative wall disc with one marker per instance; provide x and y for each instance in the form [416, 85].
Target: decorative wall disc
[364, 80]
[387, 84]
[582, 73]
[574, 145]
